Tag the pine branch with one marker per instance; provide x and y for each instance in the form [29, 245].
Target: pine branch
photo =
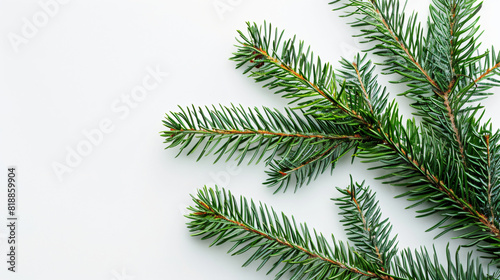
[451, 50]
[485, 184]
[238, 131]
[451, 160]
[305, 255]
[292, 71]
[397, 39]
[363, 90]
[300, 148]
[442, 60]
[369, 235]
[486, 70]
[448, 184]
[452, 46]
[416, 160]
[293, 249]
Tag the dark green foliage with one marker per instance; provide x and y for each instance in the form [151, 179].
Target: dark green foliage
[365, 230]
[449, 160]
[240, 131]
[297, 148]
[397, 38]
[291, 247]
[451, 44]
[307, 164]
[289, 68]
[361, 84]
[421, 265]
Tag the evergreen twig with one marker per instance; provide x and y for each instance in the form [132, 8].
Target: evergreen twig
[450, 159]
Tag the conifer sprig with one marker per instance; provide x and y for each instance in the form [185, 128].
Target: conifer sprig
[445, 60]
[289, 67]
[366, 231]
[398, 39]
[305, 255]
[294, 251]
[295, 148]
[450, 160]
[416, 158]
[451, 47]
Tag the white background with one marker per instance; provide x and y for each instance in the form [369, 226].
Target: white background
[118, 214]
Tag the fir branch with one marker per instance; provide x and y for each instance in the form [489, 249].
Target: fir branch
[451, 50]
[234, 130]
[484, 75]
[292, 71]
[363, 90]
[442, 62]
[369, 235]
[296, 148]
[487, 69]
[397, 40]
[453, 122]
[485, 177]
[413, 158]
[217, 214]
[452, 45]
[375, 14]
[451, 160]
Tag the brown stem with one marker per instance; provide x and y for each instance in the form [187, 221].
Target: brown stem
[363, 86]
[487, 73]
[365, 226]
[298, 135]
[316, 88]
[286, 172]
[487, 137]
[355, 137]
[284, 242]
[452, 119]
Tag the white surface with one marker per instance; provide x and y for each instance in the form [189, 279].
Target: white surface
[118, 214]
